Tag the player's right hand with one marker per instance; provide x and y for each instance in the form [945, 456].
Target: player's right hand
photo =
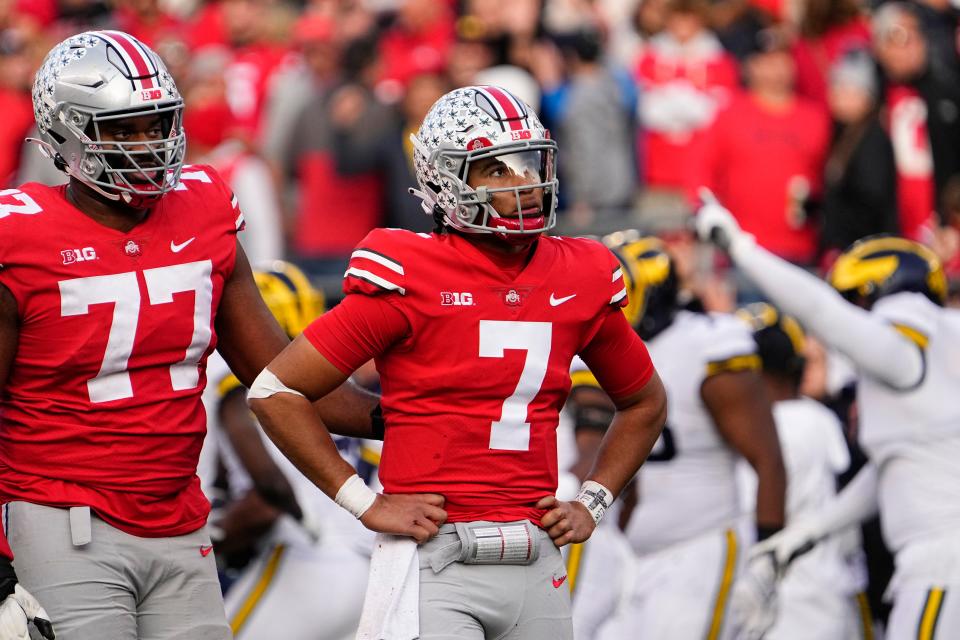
[788, 544]
[17, 611]
[418, 515]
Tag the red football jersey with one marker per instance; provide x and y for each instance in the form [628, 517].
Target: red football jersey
[473, 390]
[102, 406]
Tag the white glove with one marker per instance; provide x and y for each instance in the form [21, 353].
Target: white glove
[716, 224]
[789, 543]
[753, 603]
[17, 611]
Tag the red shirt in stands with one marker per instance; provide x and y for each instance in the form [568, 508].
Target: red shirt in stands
[102, 406]
[764, 164]
[474, 357]
[683, 88]
[907, 125]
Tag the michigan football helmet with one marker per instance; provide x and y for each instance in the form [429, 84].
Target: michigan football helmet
[780, 339]
[881, 265]
[472, 124]
[287, 292]
[97, 77]
[651, 279]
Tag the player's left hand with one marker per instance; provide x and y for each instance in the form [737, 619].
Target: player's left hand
[566, 522]
[753, 602]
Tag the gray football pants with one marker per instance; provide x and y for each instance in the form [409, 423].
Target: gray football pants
[494, 602]
[116, 586]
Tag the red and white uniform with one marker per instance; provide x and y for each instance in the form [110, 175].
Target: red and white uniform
[474, 355]
[907, 124]
[102, 406]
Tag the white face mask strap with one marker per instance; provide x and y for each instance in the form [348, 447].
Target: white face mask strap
[267, 385]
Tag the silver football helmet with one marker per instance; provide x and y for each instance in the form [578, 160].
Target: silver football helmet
[475, 123]
[97, 77]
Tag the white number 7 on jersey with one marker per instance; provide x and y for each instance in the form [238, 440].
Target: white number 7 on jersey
[512, 431]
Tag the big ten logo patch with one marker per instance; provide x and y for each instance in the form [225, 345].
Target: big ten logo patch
[71, 256]
[456, 299]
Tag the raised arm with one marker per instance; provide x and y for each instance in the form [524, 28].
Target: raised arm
[876, 346]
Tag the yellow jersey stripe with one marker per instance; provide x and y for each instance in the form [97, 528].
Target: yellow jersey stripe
[914, 336]
[723, 592]
[931, 612]
[236, 624]
[573, 564]
[745, 362]
[583, 378]
[228, 384]
[866, 616]
[370, 456]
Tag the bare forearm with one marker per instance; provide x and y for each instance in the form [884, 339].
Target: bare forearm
[346, 411]
[628, 441]
[295, 428]
[771, 489]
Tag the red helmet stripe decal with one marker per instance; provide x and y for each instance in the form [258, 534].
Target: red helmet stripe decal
[134, 55]
[509, 108]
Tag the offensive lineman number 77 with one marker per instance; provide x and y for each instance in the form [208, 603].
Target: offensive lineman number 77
[112, 382]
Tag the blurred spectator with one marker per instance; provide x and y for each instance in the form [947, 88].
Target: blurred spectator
[418, 41]
[860, 187]
[244, 28]
[17, 64]
[938, 21]
[146, 20]
[767, 151]
[828, 30]
[922, 105]
[468, 56]
[335, 159]
[209, 124]
[685, 77]
[592, 113]
[403, 210]
[315, 73]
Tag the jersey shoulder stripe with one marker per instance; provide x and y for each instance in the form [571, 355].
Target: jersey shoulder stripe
[376, 265]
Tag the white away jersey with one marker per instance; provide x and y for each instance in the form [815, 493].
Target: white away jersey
[688, 484]
[913, 435]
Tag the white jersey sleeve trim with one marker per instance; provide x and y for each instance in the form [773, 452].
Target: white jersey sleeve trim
[381, 259]
[619, 296]
[373, 278]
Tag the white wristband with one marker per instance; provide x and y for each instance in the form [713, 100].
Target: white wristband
[355, 496]
[596, 498]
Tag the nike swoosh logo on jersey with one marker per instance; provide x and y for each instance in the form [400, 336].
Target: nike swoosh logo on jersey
[205, 549]
[177, 248]
[554, 301]
[559, 581]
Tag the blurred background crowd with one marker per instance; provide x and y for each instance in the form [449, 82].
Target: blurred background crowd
[816, 122]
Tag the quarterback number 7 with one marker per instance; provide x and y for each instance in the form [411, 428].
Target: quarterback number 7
[512, 431]
[112, 382]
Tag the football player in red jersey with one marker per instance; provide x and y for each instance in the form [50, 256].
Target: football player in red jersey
[115, 288]
[473, 328]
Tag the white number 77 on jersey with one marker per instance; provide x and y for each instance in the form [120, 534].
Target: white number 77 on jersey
[113, 380]
[512, 431]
